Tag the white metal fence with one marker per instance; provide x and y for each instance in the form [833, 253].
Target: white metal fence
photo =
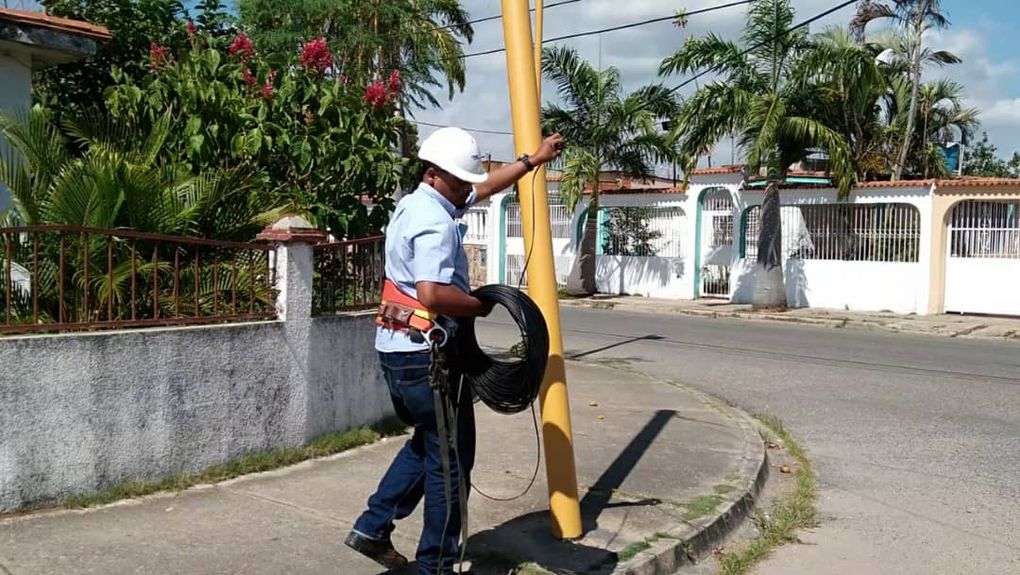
[844, 232]
[985, 230]
[559, 218]
[642, 231]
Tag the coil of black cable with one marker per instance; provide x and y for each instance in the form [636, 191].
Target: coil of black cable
[505, 386]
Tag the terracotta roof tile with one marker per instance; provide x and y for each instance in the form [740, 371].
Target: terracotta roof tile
[978, 182]
[734, 169]
[41, 20]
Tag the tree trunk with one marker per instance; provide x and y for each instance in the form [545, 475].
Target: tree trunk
[915, 88]
[581, 280]
[769, 288]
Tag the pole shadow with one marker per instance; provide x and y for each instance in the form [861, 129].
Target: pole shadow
[528, 539]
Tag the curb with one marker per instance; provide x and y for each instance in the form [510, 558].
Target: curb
[964, 331]
[687, 543]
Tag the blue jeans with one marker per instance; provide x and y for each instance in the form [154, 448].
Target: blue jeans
[417, 470]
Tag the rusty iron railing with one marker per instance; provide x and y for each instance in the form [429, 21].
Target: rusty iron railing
[64, 278]
[348, 275]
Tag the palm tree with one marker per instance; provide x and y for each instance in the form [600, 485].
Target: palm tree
[604, 128]
[764, 92]
[943, 118]
[915, 17]
[852, 83]
[118, 182]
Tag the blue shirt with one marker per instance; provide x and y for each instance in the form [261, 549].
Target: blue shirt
[424, 242]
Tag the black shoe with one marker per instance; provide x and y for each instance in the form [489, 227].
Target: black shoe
[382, 552]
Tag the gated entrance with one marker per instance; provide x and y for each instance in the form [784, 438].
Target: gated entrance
[983, 259]
[716, 242]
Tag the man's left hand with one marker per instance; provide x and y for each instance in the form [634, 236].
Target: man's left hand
[549, 150]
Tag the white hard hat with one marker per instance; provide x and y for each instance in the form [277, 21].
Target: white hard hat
[455, 151]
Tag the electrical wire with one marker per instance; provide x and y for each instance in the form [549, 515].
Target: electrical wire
[500, 16]
[620, 27]
[534, 414]
[507, 387]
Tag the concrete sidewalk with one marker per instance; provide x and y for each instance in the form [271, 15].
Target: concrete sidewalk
[942, 325]
[664, 472]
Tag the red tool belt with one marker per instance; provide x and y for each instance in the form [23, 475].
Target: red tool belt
[401, 312]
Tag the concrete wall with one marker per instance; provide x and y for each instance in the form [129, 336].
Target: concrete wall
[84, 412]
[15, 96]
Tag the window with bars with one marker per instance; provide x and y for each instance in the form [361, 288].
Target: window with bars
[559, 218]
[985, 230]
[641, 231]
[844, 232]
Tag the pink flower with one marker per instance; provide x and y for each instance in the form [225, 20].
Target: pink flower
[191, 32]
[249, 78]
[157, 55]
[375, 94]
[394, 83]
[241, 47]
[315, 55]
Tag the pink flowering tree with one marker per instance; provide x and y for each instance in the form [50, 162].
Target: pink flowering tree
[320, 145]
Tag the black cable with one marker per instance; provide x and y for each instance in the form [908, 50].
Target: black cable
[505, 386]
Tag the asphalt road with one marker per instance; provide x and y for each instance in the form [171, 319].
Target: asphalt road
[916, 439]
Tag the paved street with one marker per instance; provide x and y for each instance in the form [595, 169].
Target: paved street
[916, 439]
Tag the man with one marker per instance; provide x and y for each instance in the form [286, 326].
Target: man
[425, 260]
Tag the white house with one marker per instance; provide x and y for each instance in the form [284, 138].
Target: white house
[30, 41]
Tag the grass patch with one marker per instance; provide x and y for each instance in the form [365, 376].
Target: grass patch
[701, 506]
[794, 510]
[723, 489]
[251, 463]
[631, 551]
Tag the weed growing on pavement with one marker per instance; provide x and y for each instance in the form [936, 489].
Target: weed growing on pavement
[794, 510]
[630, 551]
[251, 463]
[701, 506]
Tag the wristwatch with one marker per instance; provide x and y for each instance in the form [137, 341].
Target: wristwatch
[525, 159]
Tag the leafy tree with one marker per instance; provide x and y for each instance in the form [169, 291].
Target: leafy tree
[421, 38]
[983, 160]
[604, 127]
[628, 232]
[767, 95]
[71, 89]
[320, 144]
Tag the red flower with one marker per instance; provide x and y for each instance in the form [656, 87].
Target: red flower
[394, 83]
[267, 90]
[315, 55]
[157, 55]
[343, 79]
[249, 78]
[375, 94]
[242, 47]
[191, 32]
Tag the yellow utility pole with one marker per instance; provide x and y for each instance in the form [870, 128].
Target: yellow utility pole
[558, 439]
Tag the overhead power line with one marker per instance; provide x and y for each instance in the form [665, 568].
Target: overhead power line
[500, 16]
[621, 26]
[478, 130]
[697, 76]
[747, 51]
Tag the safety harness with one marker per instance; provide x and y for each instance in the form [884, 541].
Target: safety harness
[401, 312]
